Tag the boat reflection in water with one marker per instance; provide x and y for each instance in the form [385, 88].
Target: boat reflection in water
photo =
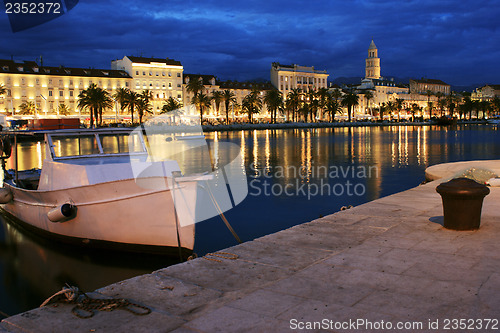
[33, 269]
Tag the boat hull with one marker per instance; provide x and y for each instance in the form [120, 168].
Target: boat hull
[120, 215]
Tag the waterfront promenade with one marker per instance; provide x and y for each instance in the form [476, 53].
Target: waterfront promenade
[388, 260]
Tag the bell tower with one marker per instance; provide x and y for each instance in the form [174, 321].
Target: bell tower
[372, 69]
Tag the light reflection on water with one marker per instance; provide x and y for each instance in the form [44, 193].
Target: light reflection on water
[31, 271]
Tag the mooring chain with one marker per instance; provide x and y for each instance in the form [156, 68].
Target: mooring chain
[85, 306]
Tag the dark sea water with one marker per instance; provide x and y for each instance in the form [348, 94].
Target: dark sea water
[294, 176]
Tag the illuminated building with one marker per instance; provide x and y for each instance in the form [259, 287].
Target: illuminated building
[372, 67]
[285, 78]
[47, 87]
[162, 77]
[487, 92]
[423, 85]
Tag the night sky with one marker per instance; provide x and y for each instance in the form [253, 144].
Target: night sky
[456, 41]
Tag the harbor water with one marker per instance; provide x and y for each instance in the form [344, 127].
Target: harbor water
[294, 176]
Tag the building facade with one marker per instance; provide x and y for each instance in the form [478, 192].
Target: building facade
[48, 87]
[285, 78]
[243, 89]
[487, 92]
[162, 77]
[423, 85]
[372, 65]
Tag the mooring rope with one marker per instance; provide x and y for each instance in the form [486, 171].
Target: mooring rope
[222, 255]
[85, 306]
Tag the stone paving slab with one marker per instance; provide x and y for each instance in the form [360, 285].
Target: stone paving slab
[390, 259]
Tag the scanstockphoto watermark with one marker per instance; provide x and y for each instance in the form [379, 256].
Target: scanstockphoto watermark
[312, 181]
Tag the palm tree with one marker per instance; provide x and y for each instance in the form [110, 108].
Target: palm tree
[292, 103]
[350, 100]
[143, 107]
[63, 109]
[96, 100]
[450, 103]
[381, 111]
[399, 105]
[132, 101]
[467, 106]
[495, 104]
[274, 101]
[312, 105]
[86, 101]
[390, 107]
[217, 97]
[171, 105]
[485, 107]
[195, 85]
[228, 97]
[322, 95]
[201, 101]
[332, 106]
[414, 108]
[27, 108]
[440, 103]
[3, 90]
[251, 104]
[121, 96]
[368, 96]
[430, 106]
[103, 101]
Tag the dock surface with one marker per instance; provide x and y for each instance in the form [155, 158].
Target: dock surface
[389, 260]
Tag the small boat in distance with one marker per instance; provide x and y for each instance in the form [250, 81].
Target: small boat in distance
[87, 193]
[494, 120]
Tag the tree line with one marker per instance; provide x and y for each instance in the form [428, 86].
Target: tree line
[308, 106]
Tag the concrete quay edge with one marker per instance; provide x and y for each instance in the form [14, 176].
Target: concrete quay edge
[389, 259]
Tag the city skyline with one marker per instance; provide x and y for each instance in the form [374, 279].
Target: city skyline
[454, 42]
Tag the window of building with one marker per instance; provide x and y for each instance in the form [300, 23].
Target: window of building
[169, 74]
[50, 81]
[178, 85]
[61, 93]
[71, 93]
[143, 73]
[170, 84]
[136, 72]
[150, 73]
[50, 93]
[126, 84]
[178, 74]
[150, 84]
[178, 96]
[157, 74]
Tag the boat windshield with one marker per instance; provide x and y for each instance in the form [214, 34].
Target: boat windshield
[77, 145]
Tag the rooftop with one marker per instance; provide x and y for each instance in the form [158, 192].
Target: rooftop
[429, 81]
[31, 67]
[144, 60]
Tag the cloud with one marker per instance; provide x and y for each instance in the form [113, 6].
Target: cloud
[453, 41]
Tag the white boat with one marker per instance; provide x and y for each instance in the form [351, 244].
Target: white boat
[86, 193]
